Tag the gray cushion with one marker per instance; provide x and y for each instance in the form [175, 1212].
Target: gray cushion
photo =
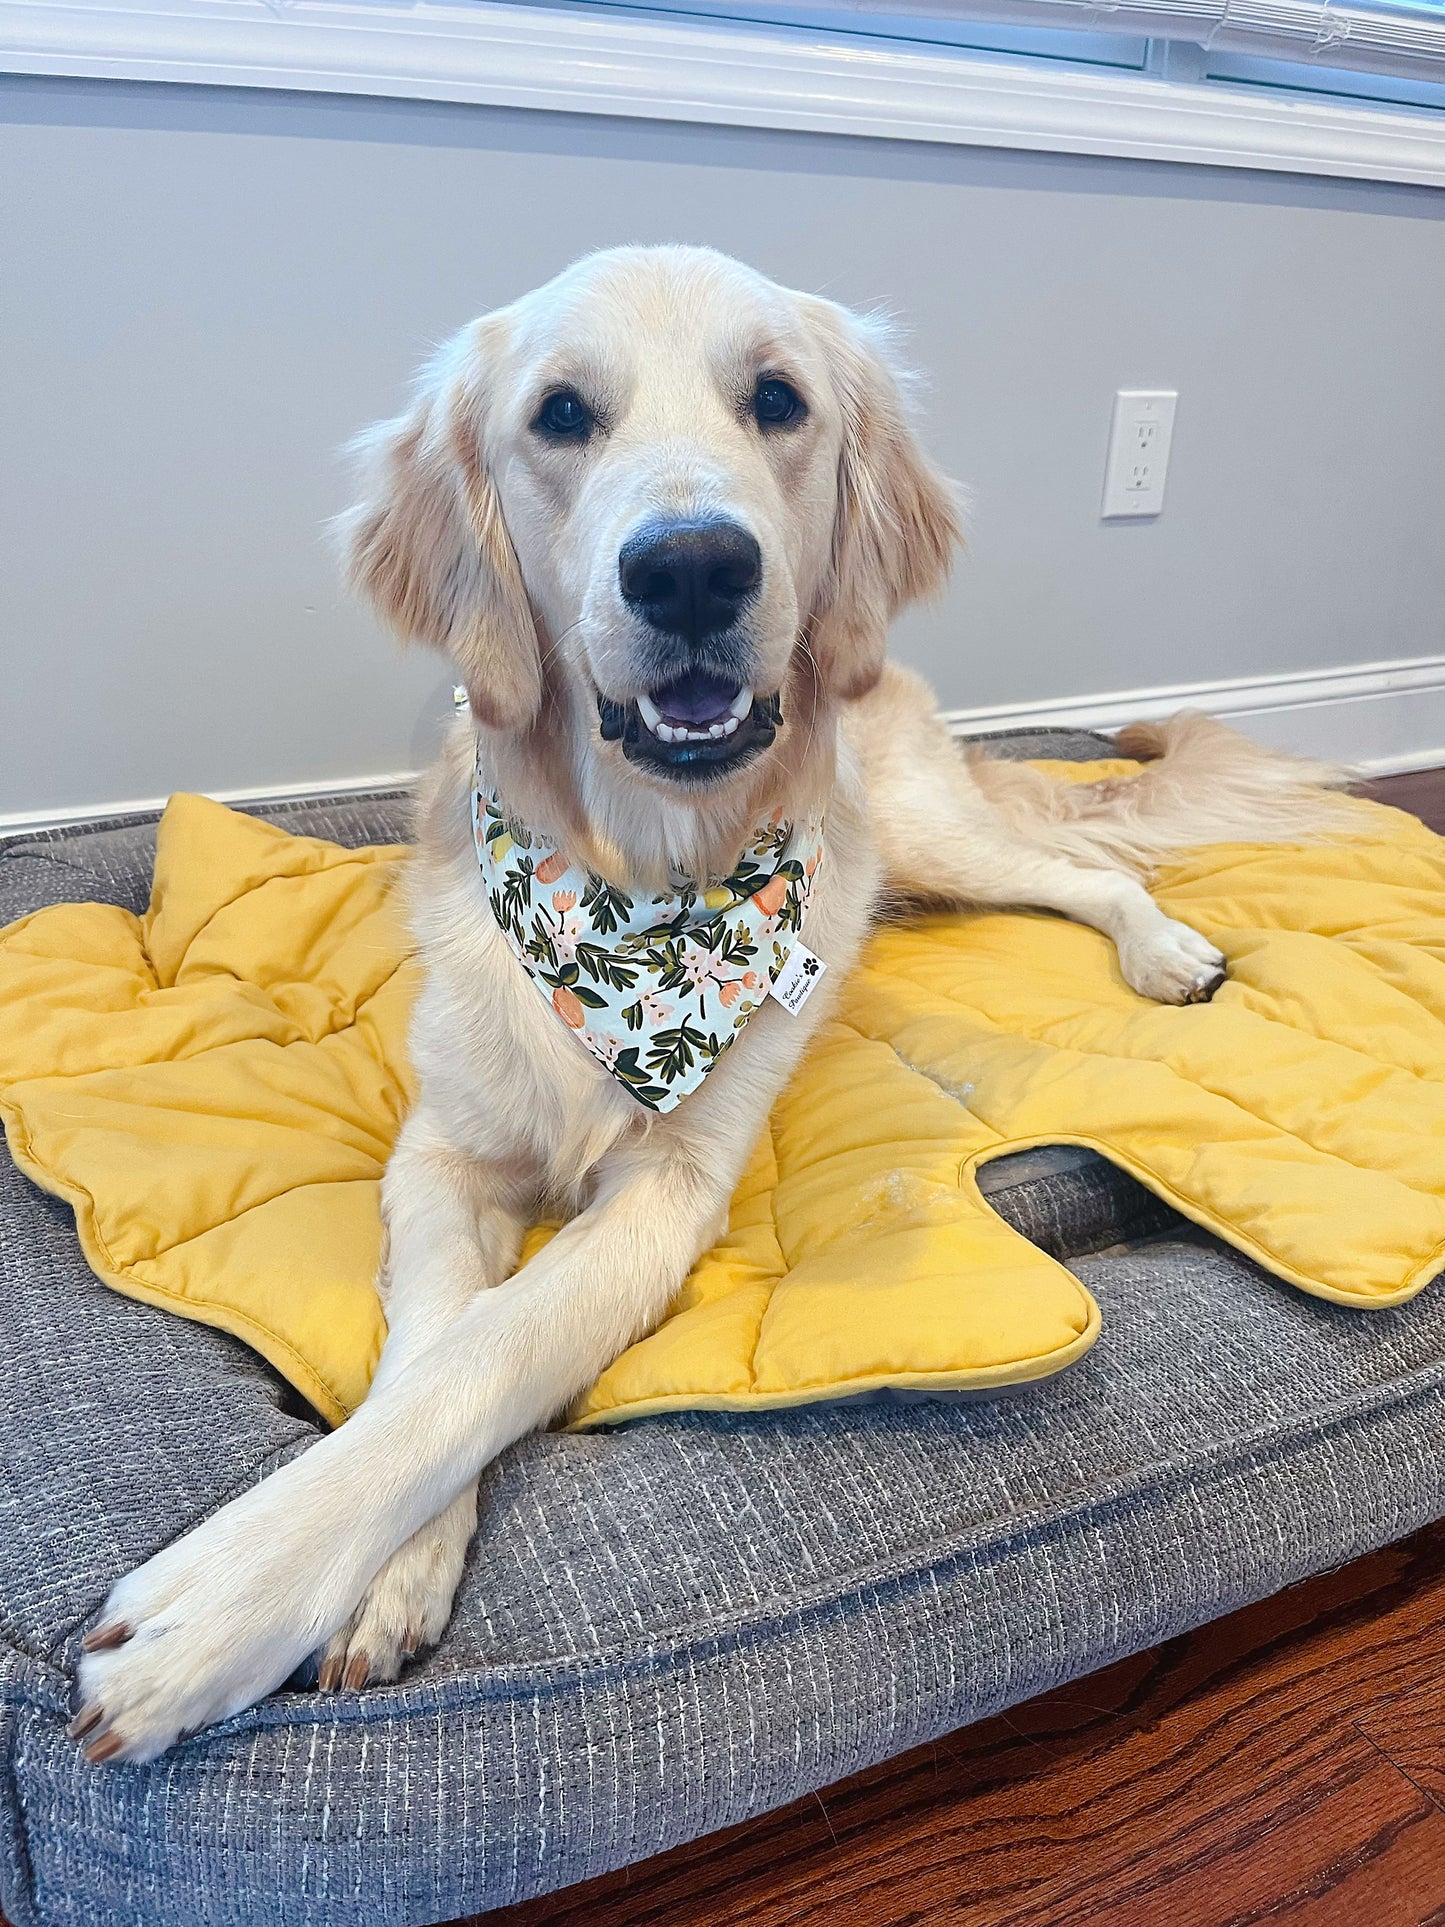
[1061, 745]
[669, 1627]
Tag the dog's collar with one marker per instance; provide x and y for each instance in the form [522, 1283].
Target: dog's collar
[656, 987]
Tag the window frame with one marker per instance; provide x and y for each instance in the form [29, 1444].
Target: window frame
[603, 60]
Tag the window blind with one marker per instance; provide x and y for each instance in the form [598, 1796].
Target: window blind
[1403, 39]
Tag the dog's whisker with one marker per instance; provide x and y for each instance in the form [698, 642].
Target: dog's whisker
[550, 653]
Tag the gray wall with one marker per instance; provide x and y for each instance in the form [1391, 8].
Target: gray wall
[205, 292]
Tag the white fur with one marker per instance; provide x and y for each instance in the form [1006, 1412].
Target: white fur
[473, 537]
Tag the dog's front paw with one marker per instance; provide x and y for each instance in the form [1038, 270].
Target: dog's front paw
[407, 1605]
[203, 1630]
[1172, 964]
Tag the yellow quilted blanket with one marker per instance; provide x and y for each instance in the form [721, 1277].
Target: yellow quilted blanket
[214, 1088]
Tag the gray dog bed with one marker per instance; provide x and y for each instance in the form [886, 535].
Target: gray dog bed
[670, 1627]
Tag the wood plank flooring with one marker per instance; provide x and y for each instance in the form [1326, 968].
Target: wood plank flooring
[1421, 791]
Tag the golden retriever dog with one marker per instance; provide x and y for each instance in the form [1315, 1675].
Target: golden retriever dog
[660, 514]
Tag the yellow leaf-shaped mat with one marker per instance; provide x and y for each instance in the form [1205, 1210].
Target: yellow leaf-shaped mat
[215, 1087]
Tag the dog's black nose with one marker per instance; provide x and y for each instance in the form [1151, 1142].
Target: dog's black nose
[690, 578]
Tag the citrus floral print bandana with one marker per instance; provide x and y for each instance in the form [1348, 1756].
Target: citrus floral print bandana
[656, 987]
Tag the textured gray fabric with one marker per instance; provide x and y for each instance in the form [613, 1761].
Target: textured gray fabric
[1069, 1201]
[1061, 745]
[668, 1627]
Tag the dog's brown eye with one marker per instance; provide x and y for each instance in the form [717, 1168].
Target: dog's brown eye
[564, 416]
[776, 405]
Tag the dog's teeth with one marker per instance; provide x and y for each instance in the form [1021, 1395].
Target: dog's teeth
[652, 720]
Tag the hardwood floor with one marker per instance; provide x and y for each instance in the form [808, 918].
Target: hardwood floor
[1284, 1764]
[1421, 791]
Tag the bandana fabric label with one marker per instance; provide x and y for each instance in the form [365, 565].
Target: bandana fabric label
[656, 987]
[798, 978]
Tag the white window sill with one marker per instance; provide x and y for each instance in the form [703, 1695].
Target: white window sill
[689, 69]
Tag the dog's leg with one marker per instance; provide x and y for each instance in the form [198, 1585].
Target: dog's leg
[453, 1228]
[227, 1613]
[1158, 957]
[940, 839]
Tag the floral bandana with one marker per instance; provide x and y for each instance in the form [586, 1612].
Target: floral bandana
[656, 987]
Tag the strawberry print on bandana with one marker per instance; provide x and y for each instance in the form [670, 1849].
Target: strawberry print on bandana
[656, 987]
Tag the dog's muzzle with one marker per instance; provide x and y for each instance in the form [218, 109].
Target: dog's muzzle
[689, 583]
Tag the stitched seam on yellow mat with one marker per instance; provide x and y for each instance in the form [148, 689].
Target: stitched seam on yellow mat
[1336, 1043]
[959, 1378]
[235, 1217]
[1244, 1110]
[986, 1152]
[1200, 1214]
[350, 1024]
[1322, 1037]
[1165, 1064]
[929, 988]
[69, 1192]
[1340, 1043]
[785, 1263]
[247, 889]
[953, 1377]
[286, 1191]
[1190, 1208]
[352, 860]
[196, 1057]
[231, 1043]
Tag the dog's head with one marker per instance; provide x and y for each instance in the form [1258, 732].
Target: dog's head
[657, 499]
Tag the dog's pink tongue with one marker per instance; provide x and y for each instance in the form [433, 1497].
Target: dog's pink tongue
[695, 701]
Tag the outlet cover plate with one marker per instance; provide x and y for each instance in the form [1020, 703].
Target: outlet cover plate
[1139, 438]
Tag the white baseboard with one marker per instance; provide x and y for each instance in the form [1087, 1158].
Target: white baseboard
[1379, 717]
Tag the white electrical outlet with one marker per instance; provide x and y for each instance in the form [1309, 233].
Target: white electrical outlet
[1138, 451]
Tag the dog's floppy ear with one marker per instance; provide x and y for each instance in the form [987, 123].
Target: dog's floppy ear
[427, 545]
[897, 515]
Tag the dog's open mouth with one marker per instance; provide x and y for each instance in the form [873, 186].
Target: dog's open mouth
[693, 727]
